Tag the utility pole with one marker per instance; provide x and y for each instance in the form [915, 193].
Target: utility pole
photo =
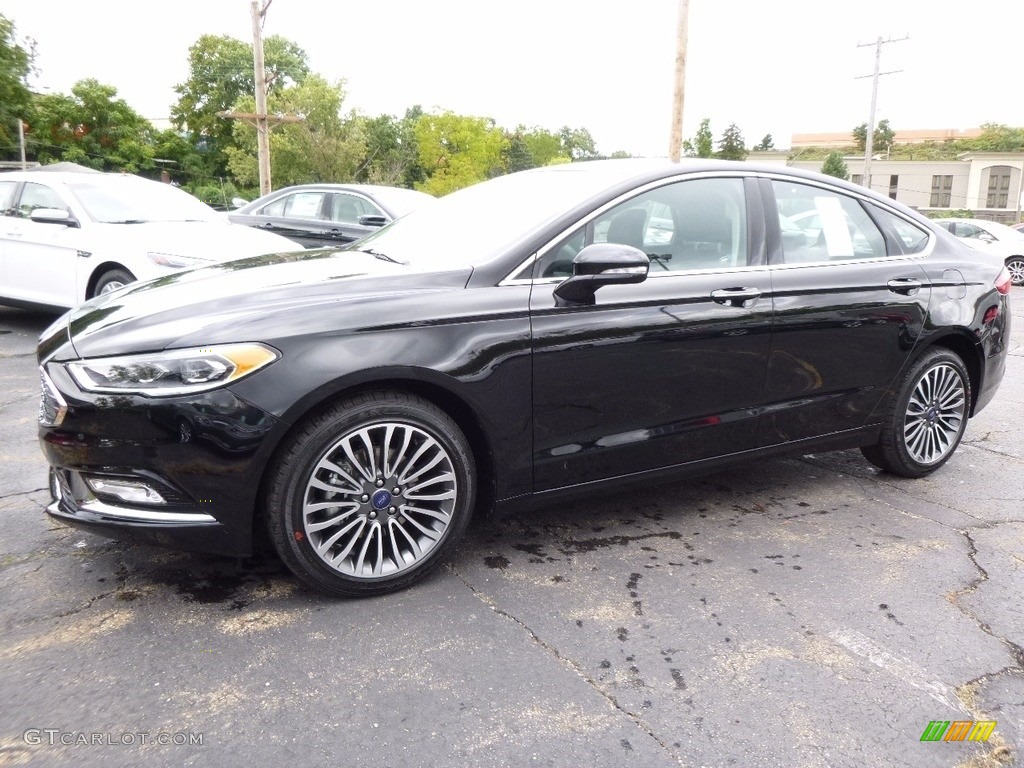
[260, 71]
[20, 141]
[870, 137]
[675, 142]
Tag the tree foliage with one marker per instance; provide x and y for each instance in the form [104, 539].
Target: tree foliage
[392, 154]
[883, 136]
[578, 144]
[15, 98]
[458, 150]
[731, 145]
[703, 144]
[767, 144]
[220, 73]
[835, 166]
[91, 127]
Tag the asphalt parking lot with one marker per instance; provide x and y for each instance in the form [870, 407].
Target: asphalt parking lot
[800, 612]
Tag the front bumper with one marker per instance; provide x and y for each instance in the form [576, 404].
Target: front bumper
[201, 456]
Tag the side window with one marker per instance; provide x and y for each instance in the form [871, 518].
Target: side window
[6, 197]
[820, 225]
[35, 196]
[347, 209]
[900, 234]
[275, 208]
[304, 205]
[685, 225]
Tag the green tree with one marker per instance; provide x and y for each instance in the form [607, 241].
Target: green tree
[392, 154]
[882, 137]
[323, 147]
[835, 166]
[516, 153]
[92, 127]
[458, 150]
[221, 72]
[545, 146]
[731, 145]
[15, 98]
[999, 138]
[578, 144]
[703, 143]
[767, 144]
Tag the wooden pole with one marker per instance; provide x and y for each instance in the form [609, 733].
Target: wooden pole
[675, 144]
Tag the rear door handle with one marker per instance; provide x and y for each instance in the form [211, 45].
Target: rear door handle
[904, 285]
[737, 297]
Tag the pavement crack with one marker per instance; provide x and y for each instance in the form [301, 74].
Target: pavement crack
[22, 493]
[572, 664]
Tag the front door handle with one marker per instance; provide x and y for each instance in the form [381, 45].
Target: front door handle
[904, 285]
[737, 297]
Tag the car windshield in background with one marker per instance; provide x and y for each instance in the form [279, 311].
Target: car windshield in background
[130, 201]
[401, 201]
[474, 225]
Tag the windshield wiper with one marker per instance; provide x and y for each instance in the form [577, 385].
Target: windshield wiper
[379, 255]
[129, 221]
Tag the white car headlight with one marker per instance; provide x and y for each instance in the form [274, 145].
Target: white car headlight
[175, 261]
[173, 372]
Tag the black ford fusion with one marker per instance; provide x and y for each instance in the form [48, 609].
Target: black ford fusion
[544, 333]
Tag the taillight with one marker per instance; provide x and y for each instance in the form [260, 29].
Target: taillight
[1003, 282]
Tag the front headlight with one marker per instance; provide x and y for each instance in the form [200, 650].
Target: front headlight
[175, 261]
[173, 372]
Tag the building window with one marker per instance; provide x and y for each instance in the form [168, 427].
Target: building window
[858, 178]
[942, 191]
[998, 188]
[894, 182]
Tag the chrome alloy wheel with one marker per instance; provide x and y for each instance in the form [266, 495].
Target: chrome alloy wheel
[110, 287]
[935, 414]
[379, 500]
[1015, 266]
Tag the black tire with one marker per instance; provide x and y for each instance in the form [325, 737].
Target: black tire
[928, 418]
[1015, 265]
[370, 537]
[111, 280]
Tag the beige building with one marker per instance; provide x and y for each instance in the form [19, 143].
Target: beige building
[989, 184]
[913, 136]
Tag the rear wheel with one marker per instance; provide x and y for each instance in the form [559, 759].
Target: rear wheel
[1015, 266]
[371, 494]
[928, 418]
[111, 280]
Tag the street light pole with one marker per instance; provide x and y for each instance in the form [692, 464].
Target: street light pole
[21, 143]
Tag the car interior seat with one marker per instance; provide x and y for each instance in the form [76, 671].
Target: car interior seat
[627, 228]
[344, 210]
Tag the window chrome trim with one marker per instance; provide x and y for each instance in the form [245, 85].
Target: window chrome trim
[510, 278]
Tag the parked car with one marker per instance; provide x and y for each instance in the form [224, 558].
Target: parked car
[1018, 227]
[993, 237]
[68, 237]
[361, 403]
[319, 215]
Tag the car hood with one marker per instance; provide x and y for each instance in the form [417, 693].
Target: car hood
[252, 299]
[214, 241]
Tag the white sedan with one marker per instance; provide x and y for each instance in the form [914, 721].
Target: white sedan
[66, 237]
[992, 237]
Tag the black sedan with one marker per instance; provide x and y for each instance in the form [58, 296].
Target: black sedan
[546, 333]
[317, 215]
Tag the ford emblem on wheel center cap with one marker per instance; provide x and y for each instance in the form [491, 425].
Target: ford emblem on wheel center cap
[381, 499]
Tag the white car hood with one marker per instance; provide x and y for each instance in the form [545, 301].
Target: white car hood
[211, 240]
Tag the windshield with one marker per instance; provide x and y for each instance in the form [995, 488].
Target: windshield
[402, 201]
[479, 223]
[130, 199]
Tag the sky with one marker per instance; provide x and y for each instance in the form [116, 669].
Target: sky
[769, 66]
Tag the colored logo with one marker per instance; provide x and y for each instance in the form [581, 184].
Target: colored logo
[958, 730]
[381, 499]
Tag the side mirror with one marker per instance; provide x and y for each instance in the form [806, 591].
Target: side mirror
[598, 265]
[986, 237]
[238, 202]
[373, 221]
[53, 216]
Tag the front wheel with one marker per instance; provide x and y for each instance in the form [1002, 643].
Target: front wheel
[112, 280]
[928, 418]
[1015, 266]
[371, 494]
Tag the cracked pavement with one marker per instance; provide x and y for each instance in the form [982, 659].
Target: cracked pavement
[800, 612]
